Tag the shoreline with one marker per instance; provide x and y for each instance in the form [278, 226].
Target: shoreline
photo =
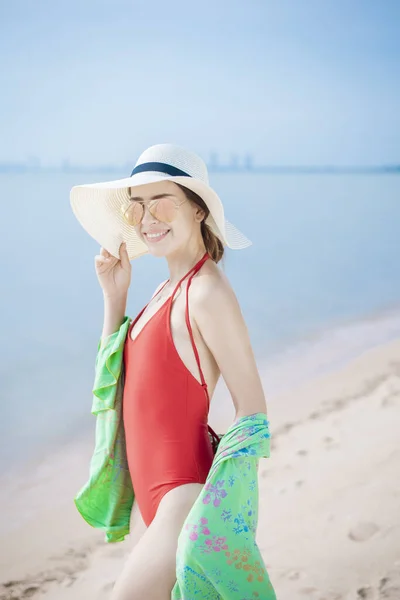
[331, 346]
[325, 351]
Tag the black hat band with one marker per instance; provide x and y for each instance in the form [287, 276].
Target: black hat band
[161, 167]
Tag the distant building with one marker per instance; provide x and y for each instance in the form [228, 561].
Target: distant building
[234, 162]
[213, 162]
[248, 162]
[33, 162]
[66, 165]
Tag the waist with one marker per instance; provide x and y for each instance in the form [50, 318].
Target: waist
[170, 449]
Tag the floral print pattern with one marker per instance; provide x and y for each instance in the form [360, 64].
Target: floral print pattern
[218, 557]
[216, 493]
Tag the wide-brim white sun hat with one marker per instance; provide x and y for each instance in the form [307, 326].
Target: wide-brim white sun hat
[97, 206]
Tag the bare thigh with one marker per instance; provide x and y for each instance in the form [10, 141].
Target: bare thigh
[150, 569]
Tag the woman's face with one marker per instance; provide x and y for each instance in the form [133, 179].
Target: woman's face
[175, 235]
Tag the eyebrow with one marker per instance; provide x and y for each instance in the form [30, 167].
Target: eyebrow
[157, 197]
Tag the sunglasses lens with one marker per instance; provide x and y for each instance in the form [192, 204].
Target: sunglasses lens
[134, 213]
[164, 210]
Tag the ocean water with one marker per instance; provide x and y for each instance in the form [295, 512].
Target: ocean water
[325, 253]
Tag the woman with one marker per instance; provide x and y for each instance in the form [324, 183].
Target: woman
[173, 354]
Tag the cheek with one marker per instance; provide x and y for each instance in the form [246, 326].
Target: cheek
[180, 229]
[183, 224]
[139, 233]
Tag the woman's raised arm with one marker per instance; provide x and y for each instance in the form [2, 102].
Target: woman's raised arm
[114, 275]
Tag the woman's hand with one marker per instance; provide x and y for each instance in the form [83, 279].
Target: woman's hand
[114, 274]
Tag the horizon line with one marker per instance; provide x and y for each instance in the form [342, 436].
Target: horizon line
[67, 167]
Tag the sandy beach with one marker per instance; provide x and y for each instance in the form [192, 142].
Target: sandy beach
[329, 526]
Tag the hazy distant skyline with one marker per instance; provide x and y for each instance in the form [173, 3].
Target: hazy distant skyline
[289, 82]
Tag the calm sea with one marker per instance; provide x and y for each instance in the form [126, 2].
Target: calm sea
[326, 252]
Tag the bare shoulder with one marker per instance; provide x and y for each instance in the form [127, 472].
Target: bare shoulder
[219, 319]
[215, 307]
[211, 284]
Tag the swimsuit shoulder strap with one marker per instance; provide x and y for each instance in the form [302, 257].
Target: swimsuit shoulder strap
[159, 289]
[203, 382]
[191, 274]
[215, 437]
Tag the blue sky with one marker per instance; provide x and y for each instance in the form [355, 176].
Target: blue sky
[291, 81]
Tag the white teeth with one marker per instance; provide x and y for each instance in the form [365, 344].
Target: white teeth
[156, 235]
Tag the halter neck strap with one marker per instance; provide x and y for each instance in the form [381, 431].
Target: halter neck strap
[191, 271]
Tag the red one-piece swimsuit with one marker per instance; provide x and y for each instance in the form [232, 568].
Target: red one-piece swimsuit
[165, 410]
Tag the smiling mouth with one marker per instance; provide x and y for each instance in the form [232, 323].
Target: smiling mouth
[156, 237]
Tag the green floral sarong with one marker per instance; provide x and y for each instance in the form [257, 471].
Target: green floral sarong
[218, 557]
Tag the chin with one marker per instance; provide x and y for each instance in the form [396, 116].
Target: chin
[166, 250]
[160, 249]
[158, 252]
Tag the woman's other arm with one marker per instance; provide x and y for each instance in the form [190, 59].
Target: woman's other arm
[217, 314]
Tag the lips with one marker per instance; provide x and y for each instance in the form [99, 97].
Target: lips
[156, 236]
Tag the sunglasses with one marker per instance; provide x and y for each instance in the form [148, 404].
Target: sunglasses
[162, 209]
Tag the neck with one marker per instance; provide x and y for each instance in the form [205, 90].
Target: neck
[181, 262]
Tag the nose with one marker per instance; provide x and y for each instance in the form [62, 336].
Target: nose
[147, 216]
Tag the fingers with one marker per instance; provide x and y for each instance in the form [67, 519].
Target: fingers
[106, 258]
[123, 254]
[104, 252]
[100, 261]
